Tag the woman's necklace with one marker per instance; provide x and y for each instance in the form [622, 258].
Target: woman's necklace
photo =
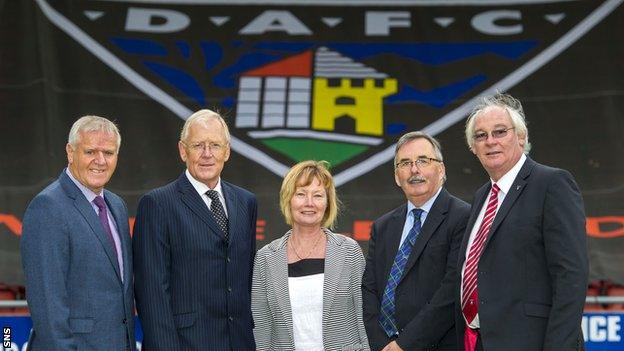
[292, 244]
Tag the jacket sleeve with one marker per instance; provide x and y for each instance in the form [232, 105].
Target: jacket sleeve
[370, 301]
[565, 242]
[45, 259]
[152, 259]
[356, 288]
[260, 305]
[253, 222]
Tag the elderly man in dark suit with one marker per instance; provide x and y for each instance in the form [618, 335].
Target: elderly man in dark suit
[523, 260]
[410, 276]
[194, 245]
[76, 250]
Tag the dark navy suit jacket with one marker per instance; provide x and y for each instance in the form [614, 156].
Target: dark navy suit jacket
[532, 274]
[76, 297]
[193, 288]
[424, 297]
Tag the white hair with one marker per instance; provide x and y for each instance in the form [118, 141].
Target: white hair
[203, 116]
[90, 123]
[514, 110]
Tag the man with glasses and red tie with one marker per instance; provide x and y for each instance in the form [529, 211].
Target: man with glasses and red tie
[408, 287]
[523, 261]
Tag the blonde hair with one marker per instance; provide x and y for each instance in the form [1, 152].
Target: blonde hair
[302, 174]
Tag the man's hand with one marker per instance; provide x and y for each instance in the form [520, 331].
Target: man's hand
[393, 346]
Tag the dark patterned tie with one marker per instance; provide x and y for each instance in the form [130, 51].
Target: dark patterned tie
[103, 215]
[386, 317]
[218, 212]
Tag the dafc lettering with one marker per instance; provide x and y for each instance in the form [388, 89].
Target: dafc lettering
[376, 23]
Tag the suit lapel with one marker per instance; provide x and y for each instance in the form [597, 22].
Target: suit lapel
[334, 263]
[480, 197]
[88, 213]
[124, 235]
[234, 211]
[434, 218]
[392, 237]
[194, 202]
[510, 199]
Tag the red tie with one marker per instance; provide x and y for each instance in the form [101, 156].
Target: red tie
[470, 294]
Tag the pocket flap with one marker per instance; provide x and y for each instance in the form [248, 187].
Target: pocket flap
[81, 325]
[537, 310]
[184, 320]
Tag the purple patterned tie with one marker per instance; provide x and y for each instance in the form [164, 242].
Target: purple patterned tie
[103, 215]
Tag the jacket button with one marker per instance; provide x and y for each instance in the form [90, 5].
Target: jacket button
[231, 318]
[124, 321]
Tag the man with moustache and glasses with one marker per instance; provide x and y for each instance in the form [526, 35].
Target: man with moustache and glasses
[194, 245]
[410, 277]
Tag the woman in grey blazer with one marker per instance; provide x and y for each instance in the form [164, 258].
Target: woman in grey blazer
[306, 291]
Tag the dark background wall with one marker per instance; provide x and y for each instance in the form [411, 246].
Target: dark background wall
[574, 102]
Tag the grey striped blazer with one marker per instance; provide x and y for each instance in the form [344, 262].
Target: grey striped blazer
[343, 325]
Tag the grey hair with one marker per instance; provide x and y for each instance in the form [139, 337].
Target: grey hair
[90, 123]
[203, 116]
[514, 110]
[406, 138]
[437, 148]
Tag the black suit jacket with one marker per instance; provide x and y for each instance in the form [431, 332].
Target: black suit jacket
[193, 289]
[532, 274]
[425, 295]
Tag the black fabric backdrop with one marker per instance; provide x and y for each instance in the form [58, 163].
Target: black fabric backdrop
[574, 102]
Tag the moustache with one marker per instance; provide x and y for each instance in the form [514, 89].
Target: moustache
[416, 180]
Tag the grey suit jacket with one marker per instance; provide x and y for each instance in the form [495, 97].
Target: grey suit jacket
[76, 298]
[343, 325]
[532, 274]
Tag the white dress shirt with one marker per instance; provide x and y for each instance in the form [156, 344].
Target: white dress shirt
[202, 188]
[504, 184]
[409, 218]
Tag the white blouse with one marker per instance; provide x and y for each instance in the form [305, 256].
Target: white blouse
[306, 301]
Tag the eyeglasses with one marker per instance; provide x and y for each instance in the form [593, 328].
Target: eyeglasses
[421, 162]
[496, 134]
[215, 148]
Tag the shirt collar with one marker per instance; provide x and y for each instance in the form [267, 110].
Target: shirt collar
[506, 181]
[202, 188]
[426, 207]
[90, 195]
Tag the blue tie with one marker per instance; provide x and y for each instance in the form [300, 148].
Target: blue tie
[386, 317]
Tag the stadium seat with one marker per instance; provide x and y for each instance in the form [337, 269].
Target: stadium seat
[593, 290]
[616, 290]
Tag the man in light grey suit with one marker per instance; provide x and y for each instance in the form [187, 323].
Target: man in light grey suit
[76, 250]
